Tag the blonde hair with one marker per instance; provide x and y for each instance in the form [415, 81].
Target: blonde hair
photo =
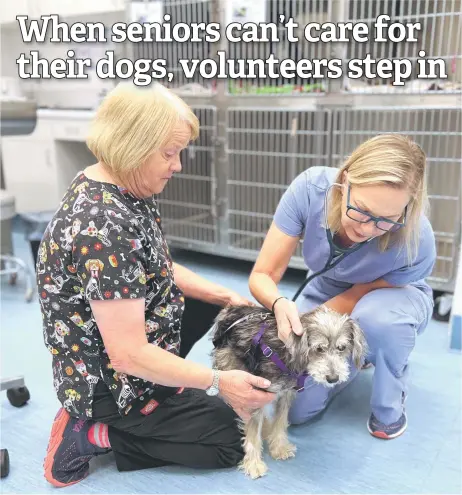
[133, 122]
[396, 161]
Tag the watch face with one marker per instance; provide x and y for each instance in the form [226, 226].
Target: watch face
[212, 391]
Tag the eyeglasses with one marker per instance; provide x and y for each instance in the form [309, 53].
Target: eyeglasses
[380, 223]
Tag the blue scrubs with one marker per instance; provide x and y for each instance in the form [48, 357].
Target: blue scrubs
[390, 318]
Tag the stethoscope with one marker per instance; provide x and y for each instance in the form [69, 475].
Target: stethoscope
[336, 253]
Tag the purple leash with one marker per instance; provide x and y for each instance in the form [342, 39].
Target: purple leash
[273, 356]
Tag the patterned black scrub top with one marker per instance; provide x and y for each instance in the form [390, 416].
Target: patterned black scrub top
[103, 243]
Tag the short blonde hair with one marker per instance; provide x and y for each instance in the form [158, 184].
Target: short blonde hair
[396, 161]
[133, 122]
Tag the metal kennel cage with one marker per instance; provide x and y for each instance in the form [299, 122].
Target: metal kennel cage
[439, 132]
[188, 204]
[267, 149]
[257, 135]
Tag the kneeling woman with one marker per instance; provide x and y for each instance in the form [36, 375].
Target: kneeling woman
[374, 207]
[113, 303]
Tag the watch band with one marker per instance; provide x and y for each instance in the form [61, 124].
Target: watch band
[215, 382]
[216, 378]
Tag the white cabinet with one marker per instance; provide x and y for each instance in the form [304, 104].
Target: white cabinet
[38, 168]
[29, 169]
[30, 173]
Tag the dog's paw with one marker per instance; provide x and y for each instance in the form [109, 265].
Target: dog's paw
[283, 451]
[253, 468]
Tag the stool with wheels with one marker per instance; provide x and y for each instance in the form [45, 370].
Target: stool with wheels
[16, 390]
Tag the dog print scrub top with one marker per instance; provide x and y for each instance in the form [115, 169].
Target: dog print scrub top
[103, 243]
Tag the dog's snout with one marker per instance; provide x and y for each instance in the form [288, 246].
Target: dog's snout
[332, 378]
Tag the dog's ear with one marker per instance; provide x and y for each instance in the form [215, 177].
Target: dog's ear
[297, 344]
[358, 342]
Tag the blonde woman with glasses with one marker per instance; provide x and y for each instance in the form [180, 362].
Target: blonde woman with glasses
[374, 208]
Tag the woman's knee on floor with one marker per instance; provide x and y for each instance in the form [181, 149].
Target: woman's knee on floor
[389, 321]
[230, 455]
[225, 437]
[309, 403]
[229, 450]
[299, 417]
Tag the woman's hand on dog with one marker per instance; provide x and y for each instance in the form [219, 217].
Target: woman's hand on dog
[287, 319]
[239, 390]
[235, 299]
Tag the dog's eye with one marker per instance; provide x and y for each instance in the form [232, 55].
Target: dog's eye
[320, 348]
[341, 348]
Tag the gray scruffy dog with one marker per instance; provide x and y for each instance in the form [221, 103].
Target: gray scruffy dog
[323, 351]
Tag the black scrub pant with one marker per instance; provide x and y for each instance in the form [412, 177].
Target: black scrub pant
[189, 429]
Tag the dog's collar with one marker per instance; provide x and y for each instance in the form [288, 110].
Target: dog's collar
[260, 316]
[273, 356]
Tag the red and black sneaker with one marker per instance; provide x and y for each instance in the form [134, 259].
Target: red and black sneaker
[387, 432]
[69, 451]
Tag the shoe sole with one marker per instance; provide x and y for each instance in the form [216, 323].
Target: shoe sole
[56, 437]
[385, 436]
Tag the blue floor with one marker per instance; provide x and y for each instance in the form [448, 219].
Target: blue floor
[336, 454]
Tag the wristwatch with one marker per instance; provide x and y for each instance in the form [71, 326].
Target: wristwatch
[213, 389]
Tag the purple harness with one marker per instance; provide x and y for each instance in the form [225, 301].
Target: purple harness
[268, 353]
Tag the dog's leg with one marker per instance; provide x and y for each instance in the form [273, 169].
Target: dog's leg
[253, 464]
[279, 445]
[266, 428]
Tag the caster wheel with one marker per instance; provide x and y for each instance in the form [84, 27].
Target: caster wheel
[13, 279]
[18, 396]
[4, 463]
[29, 295]
[443, 306]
